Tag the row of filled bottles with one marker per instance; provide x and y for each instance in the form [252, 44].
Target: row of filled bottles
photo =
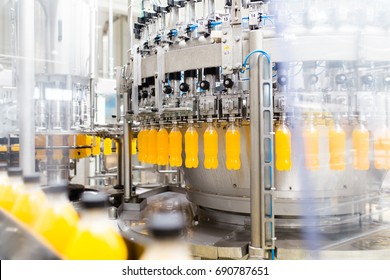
[96, 145]
[163, 148]
[337, 147]
[51, 218]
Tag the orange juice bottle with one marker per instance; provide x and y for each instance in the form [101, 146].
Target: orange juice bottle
[162, 147]
[96, 146]
[175, 147]
[107, 146]
[146, 145]
[283, 147]
[40, 141]
[311, 146]
[28, 206]
[95, 237]
[210, 144]
[12, 189]
[4, 181]
[191, 147]
[58, 222]
[382, 148]
[141, 144]
[361, 146]
[152, 146]
[232, 148]
[83, 140]
[337, 148]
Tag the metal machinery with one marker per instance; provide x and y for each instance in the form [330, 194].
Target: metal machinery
[314, 66]
[258, 64]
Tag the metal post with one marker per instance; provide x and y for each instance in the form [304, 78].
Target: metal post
[110, 41]
[130, 23]
[92, 52]
[127, 138]
[26, 86]
[262, 219]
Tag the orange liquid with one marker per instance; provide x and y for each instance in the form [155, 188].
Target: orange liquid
[134, 146]
[361, 146]
[152, 146]
[162, 147]
[58, 224]
[210, 139]
[29, 206]
[337, 148]
[72, 142]
[191, 147]
[141, 145]
[175, 147]
[283, 148]
[233, 148]
[311, 147]
[96, 146]
[9, 195]
[83, 140]
[382, 148]
[107, 146]
[96, 243]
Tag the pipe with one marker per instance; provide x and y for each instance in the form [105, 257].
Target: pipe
[110, 41]
[127, 139]
[211, 9]
[26, 86]
[130, 24]
[255, 171]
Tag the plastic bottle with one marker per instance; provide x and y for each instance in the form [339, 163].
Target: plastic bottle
[162, 147]
[134, 146]
[337, 147]
[58, 222]
[96, 146]
[361, 147]
[107, 146]
[96, 238]
[166, 228]
[233, 148]
[210, 144]
[175, 147]
[152, 146]
[29, 204]
[4, 181]
[141, 144]
[72, 143]
[382, 148]
[191, 147]
[13, 189]
[283, 147]
[311, 146]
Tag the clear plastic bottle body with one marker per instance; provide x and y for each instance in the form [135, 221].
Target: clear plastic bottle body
[175, 147]
[233, 148]
[210, 143]
[191, 147]
[311, 147]
[162, 147]
[141, 145]
[40, 143]
[361, 148]
[11, 191]
[337, 148]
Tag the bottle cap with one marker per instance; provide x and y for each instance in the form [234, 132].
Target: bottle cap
[166, 225]
[91, 200]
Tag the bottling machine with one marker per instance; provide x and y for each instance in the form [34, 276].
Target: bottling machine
[265, 122]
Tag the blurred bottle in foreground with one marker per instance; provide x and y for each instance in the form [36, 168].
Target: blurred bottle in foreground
[167, 231]
[95, 238]
[58, 222]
